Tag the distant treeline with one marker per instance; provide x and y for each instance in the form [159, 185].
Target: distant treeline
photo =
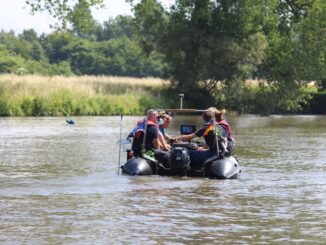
[108, 49]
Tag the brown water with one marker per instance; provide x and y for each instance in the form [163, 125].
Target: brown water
[59, 185]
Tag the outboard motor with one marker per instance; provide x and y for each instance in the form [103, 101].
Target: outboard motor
[179, 161]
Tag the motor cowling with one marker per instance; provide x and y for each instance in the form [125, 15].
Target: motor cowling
[180, 158]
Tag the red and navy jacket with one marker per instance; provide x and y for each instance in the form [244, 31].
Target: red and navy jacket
[225, 124]
[140, 128]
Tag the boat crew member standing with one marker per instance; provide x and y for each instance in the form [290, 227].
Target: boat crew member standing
[199, 156]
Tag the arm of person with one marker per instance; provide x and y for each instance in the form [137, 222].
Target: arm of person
[156, 143]
[186, 137]
[168, 137]
[205, 146]
[163, 143]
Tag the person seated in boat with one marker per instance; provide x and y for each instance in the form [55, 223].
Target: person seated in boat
[152, 134]
[164, 121]
[219, 117]
[199, 156]
[152, 139]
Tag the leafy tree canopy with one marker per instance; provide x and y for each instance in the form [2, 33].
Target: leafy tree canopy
[66, 12]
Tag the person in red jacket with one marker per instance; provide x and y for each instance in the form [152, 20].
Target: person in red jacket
[152, 139]
[152, 134]
[222, 122]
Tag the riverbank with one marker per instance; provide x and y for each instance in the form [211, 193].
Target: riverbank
[32, 95]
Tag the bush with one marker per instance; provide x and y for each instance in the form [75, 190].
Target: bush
[4, 107]
[316, 104]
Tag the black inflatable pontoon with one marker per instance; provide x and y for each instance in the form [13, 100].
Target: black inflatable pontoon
[223, 168]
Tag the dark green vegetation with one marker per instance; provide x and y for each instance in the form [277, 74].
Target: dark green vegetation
[208, 49]
[110, 49]
[280, 42]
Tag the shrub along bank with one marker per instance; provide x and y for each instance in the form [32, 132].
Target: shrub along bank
[317, 103]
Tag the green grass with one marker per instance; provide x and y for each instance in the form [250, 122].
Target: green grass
[61, 96]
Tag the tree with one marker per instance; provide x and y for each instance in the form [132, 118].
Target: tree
[55, 46]
[291, 60]
[291, 12]
[117, 27]
[310, 43]
[86, 28]
[29, 35]
[202, 41]
[76, 12]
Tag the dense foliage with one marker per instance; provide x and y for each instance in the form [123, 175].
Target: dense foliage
[67, 11]
[108, 49]
[209, 49]
[212, 47]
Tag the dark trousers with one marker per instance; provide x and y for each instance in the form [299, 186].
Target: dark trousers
[197, 158]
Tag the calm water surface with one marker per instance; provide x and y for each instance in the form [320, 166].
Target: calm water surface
[59, 185]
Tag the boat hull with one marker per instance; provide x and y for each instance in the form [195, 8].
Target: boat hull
[225, 168]
[137, 166]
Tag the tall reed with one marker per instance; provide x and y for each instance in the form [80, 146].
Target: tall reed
[84, 95]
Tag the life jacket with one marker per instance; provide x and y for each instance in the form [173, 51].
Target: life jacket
[139, 129]
[138, 136]
[209, 134]
[225, 124]
[227, 146]
[209, 127]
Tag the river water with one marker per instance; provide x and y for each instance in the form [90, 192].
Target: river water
[59, 185]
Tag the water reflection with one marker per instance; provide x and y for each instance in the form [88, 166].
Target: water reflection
[59, 185]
